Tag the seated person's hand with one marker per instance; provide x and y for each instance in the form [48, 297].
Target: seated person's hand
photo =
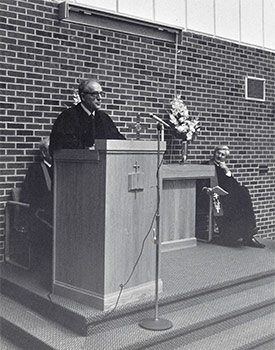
[208, 190]
[225, 168]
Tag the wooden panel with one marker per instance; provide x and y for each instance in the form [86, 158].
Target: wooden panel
[80, 225]
[118, 146]
[100, 225]
[178, 203]
[168, 246]
[178, 209]
[128, 218]
[187, 171]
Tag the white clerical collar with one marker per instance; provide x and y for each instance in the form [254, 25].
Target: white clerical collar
[87, 111]
[47, 163]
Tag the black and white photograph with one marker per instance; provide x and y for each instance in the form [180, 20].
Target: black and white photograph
[137, 206]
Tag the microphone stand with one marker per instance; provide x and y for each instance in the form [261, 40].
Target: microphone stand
[156, 323]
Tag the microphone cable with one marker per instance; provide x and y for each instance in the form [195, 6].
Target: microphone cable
[122, 285]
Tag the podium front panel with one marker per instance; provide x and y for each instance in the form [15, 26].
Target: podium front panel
[100, 222]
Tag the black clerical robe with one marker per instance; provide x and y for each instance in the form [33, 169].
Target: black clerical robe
[238, 219]
[75, 129]
[37, 191]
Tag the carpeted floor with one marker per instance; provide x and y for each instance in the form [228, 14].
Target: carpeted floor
[183, 272]
[198, 317]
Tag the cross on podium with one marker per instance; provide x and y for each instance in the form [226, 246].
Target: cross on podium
[136, 179]
[136, 166]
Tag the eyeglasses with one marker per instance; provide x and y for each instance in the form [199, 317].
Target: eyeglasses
[222, 154]
[96, 94]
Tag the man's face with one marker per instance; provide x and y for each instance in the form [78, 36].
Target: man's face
[220, 156]
[92, 97]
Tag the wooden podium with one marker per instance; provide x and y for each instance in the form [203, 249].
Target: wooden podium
[179, 204]
[104, 204]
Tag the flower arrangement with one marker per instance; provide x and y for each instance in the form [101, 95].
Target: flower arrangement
[180, 120]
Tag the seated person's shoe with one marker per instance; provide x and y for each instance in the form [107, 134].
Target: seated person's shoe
[253, 243]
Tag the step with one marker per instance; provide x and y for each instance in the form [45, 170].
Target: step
[191, 318]
[267, 345]
[187, 273]
[82, 319]
[29, 329]
[6, 344]
[20, 321]
[54, 308]
[254, 330]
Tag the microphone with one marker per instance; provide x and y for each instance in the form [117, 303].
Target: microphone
[151, 115]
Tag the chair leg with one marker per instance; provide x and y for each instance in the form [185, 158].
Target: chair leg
[8, 249]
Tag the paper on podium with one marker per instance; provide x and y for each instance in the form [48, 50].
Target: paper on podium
[218, 190]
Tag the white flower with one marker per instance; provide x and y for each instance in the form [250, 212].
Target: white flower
[183, 123]
[182, 119]
[173, 119]
[181, 128]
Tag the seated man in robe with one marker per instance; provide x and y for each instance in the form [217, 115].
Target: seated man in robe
[78, 127]
[238, 219]
[37, 191]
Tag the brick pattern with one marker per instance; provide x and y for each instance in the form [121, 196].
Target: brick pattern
[43, 60]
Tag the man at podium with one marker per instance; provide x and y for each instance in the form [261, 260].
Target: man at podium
[78, 127]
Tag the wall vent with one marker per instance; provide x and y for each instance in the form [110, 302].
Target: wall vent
[120, 23]
[254, 89]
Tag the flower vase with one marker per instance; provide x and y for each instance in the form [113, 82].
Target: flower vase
[184, 152]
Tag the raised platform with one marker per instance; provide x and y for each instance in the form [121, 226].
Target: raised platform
[202, 287]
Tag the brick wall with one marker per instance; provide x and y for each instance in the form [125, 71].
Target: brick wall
[43, 59]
